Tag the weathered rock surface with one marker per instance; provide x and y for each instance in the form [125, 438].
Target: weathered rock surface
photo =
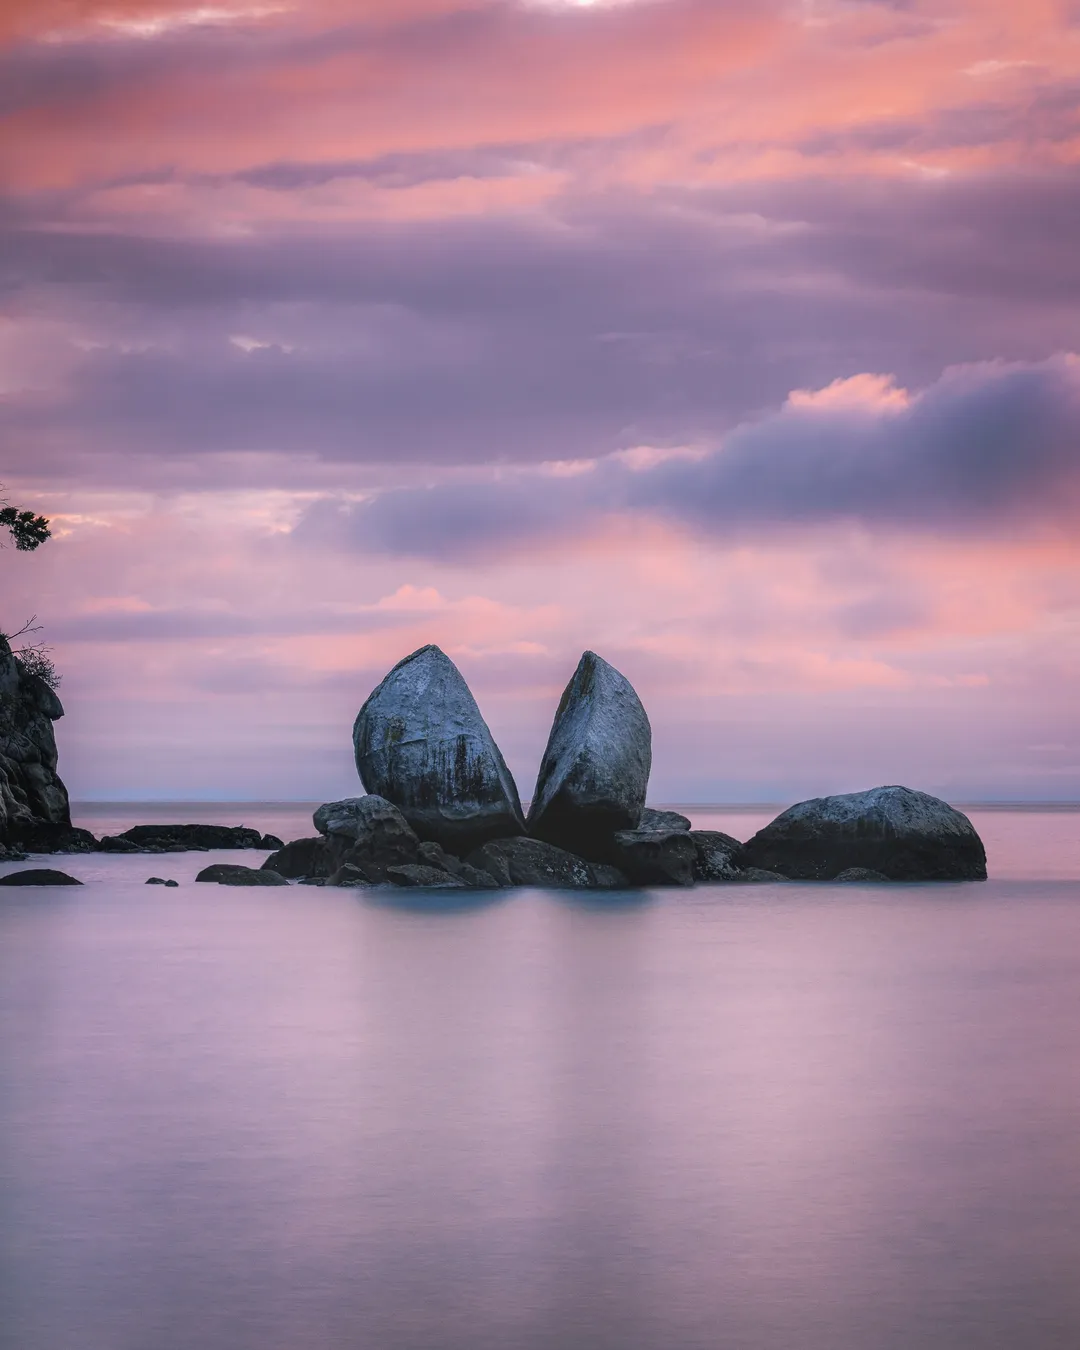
[39, 876]
[532, 862]
[864, 874]
[348, 874]
[194, 838]
[421, 743]
[31, 793]
[434, 855]
[232, 874]
[655, 857]
[416, 874]
[302, 858]
[595, 770]
[903, 834]
[759, 874]
[666, 821]
[372, 834]
[716, 855]
[112, 843]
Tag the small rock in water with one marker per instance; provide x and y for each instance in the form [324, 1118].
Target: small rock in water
[113, 843]
[595, 770]
[716, 854]
[302, 858]
[188, 838]
[232, 874]
[155, 881]
[421, 743]
[39, 876]
[903, 834]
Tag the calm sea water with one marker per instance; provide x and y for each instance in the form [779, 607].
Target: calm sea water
[760, 1118]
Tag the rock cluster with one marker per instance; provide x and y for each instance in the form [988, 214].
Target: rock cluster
[443, 810]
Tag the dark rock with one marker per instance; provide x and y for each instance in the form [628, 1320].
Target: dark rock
[302, 858]
[716, 854]
[192, 838]
[415, 874]
[348, 874]
[48, 837]
[11, 854]
[595, 769]
[655, 857]
[170, 882]
[431, 854]
[666, 821]
[759, 874]
[112, 843]
[271, 841]
[421, 743]
[232, 874]
[864, 874]
[39, 876]
[532, 862]
[903, 834]
[370, 832]
[31, 793]
[154, 881]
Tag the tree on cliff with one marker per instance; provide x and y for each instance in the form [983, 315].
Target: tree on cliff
[24, 527]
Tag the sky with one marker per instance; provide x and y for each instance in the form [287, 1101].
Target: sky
[736, 342]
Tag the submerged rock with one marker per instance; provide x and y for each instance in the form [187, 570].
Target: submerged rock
[864, 874]
[595, 770]
[655, 857]
[39, 876]
[532, 862]
[902, 834]
[421, 743]
[232, 874]
[716, 856]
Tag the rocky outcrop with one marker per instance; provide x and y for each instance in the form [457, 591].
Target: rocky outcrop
[662, 821]
[421, 743]
[187, 839]
[901, 834]
[655, 857]
[302, 858]
[716, 856]
[39, 876]
[532, 862]
[595, 769]
[33, 801]
[232, 874]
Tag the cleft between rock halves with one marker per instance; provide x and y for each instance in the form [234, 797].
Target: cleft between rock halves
[421, 743]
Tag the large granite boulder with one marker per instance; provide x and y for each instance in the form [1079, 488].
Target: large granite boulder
[655, 857]
[421, 743]
[33, 800]
[902, 834]
[595, 769]
[532, 862]
[371, 834]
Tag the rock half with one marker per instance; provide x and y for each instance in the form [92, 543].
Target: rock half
[421, 743]
[902, 834]
[595, 769]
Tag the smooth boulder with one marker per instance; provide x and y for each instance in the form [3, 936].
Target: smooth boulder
[532, 862]
[232, 874]
[902, 834]
[39, 876]
[595, 770]
[421, 743]
[302, 858]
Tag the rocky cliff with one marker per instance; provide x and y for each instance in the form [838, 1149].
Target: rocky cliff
[33, 800]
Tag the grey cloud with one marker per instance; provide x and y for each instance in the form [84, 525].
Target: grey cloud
[984, 447]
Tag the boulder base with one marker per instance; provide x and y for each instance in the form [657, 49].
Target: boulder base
[595, 770]
[532, 862]
[902, 834]
[655, 857]
[421, 743]
[301, 858]
[662, 821]
[716, 854]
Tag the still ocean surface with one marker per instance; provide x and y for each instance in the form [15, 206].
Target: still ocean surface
[751, 1118]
